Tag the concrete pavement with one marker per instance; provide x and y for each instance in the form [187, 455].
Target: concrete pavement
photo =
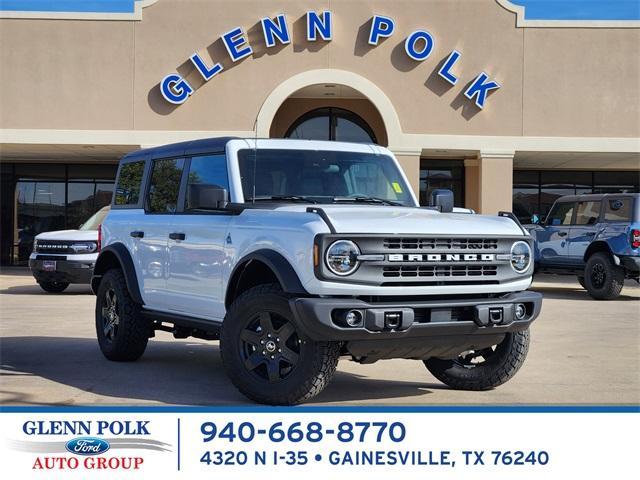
[583, 351]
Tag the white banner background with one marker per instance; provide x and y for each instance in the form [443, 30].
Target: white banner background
[587, 445]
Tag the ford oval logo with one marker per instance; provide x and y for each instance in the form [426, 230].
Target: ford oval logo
[87, 446]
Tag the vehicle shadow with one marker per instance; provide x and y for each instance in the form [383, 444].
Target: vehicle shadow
[36, 290]
[180, 373]
[578, 293]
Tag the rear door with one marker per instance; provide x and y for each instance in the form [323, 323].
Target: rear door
[197, 249]
[553, 241]
[585, 228]
[160, 205]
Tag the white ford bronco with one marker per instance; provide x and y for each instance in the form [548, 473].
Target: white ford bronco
[295, 253]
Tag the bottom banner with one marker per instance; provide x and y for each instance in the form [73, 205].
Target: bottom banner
[362, 443]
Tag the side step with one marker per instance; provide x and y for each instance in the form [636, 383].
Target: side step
[182, 326]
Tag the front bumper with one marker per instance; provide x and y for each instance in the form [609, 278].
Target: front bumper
[67, 271]
[424, 328]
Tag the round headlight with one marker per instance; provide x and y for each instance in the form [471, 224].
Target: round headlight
[520, 256]
[84, 247]
[342, 257]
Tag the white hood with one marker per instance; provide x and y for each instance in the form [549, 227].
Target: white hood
[413, 221]
[80, 235]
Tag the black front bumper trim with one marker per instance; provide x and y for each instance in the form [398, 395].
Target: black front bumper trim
[430, 318]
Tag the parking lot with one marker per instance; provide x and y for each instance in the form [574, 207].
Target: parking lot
[583, 352]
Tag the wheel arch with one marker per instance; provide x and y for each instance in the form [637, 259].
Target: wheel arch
[259, 267]
[595, 247]
[117, 255]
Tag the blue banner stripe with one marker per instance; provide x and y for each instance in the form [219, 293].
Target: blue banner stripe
[331, 409]
[75, 6]
[580, 9]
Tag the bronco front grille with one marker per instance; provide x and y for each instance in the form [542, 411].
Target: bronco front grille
[405, 271]
[407, 243]
[53, 246]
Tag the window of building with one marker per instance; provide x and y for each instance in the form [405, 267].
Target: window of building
[535, 191]
[447, 174]
[165, 185]
[40, 198]
[331, 124]
[587, 213]
[129, 183]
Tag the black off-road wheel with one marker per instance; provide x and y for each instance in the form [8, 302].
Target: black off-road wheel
[265, 354]
[483, 369]
[53, 287]
[122, 331]
[603, 279]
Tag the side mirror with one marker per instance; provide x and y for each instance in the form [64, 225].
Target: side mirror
[204, 196]
[443, 199]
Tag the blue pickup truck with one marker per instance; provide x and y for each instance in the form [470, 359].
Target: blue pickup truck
[596, 237]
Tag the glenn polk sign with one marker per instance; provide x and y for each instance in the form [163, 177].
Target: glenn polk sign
[418, 46]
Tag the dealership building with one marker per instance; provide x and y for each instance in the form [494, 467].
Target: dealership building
[509, 103]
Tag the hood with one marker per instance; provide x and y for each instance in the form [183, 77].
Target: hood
[79, 235]
[410, 220]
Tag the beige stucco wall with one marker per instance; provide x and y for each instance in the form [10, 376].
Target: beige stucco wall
[68, 74]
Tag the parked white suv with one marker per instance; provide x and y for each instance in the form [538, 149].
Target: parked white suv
[295, 253]
[66, 256]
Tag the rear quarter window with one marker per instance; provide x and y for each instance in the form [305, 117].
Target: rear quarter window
[618, 210]
[129, 183]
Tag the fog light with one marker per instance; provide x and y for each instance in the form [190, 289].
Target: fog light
[353, 318]
[521, 311]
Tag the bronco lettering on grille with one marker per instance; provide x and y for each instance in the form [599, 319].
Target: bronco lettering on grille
[442, 257]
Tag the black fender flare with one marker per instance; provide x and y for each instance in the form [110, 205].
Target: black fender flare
[279, 265]
[119, 253]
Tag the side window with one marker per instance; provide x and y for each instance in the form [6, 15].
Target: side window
[561, 214]
[129, 183]
[587, 213]
[618, 210]
[165, 185]
[207, 170]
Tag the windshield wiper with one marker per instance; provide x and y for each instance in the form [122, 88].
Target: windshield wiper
[279, 198]
[366, 199]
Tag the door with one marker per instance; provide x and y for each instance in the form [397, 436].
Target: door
[553, 241]
[153, 231]
[197, 251]
[585, 228]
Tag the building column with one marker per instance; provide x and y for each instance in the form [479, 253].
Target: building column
[472, 183]
[410, 163]
[495, 181]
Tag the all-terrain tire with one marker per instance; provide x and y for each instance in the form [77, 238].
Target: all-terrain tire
[128, 340]
[294, 383]
[53, 287]
[497, 369]
[610, 284]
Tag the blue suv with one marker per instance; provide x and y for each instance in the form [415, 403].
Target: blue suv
[596, 237]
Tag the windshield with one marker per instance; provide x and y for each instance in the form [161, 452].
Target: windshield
[95, 219]
[322, 177]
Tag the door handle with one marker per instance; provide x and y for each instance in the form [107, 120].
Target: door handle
[590, 234]
[137, 234]
[562, 234]
[177, 236]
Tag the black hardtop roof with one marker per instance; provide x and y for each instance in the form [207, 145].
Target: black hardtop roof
[191, 147]
[595, 196]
